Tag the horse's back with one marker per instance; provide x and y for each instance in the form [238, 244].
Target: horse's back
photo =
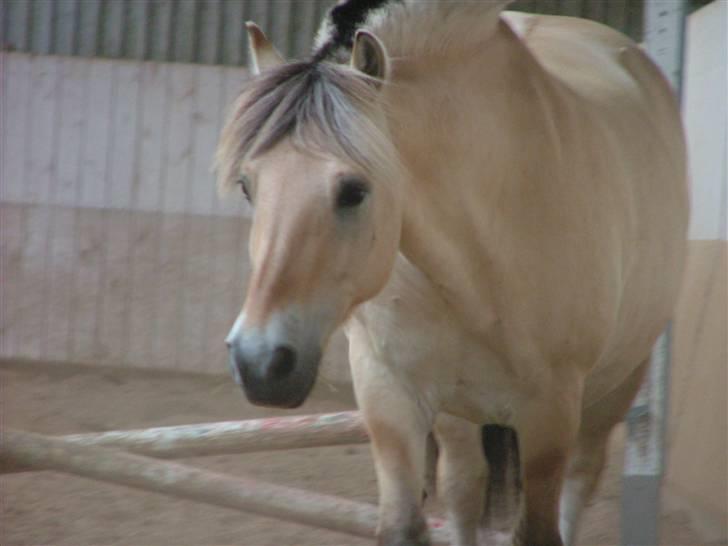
[581, 53]
[632, 121]
[623, 155]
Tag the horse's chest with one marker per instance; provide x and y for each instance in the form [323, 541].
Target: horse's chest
[410, 324]
[414, 341]
[411, 332]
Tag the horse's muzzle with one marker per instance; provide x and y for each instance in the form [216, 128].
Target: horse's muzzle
[276, 377]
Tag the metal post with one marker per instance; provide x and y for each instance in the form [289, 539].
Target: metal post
[644, 463]
[665, 36]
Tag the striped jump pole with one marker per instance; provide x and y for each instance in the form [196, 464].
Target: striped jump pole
[227, 437]
[326, 511]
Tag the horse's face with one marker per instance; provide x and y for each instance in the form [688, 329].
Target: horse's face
[323, 240]
[325, 228]
[326, 225]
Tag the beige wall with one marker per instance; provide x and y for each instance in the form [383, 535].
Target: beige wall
[697, 478]
[124, 288]
[119, 287]
[115, 248]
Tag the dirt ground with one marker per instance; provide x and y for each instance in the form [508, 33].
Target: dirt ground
[49, 508]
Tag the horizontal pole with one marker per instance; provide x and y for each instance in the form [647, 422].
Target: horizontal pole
[228, 437]
[107, 465]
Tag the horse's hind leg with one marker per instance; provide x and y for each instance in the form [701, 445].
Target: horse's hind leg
[587, 462]
[584, 471]
[481, 493]
[461, 476]
[502, 499]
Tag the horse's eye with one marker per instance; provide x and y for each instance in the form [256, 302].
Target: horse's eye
[352, 192]
[244, 186]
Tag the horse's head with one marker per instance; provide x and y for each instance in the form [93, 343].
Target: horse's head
[308, 146]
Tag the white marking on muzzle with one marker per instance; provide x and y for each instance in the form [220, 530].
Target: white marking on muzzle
[291, 327]
[235, 330]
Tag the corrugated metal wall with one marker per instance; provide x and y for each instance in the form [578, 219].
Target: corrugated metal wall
[190, 31]
[211, 31]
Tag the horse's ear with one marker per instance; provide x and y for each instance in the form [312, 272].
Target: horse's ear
[369, 55]
[262, 53]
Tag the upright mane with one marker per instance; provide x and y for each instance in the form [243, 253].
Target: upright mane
[408, 27]
[336, 36]
[321, 106]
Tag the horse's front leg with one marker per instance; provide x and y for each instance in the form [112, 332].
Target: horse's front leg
[398, 424]
[461, 476]
[546, 438]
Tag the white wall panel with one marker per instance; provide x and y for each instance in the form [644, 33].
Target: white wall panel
[706, 119]
[115, 246]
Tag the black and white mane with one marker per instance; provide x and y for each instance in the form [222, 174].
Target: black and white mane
[406, 27]
[336, 34]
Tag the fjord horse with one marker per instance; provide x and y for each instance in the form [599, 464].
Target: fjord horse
[493, 206]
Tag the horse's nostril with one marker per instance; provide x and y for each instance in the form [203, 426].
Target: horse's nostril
[282, 362]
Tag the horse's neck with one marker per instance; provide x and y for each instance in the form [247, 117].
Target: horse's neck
[458, 124]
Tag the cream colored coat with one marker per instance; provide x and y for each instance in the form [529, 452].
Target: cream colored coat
[516, 272]
[543, 242]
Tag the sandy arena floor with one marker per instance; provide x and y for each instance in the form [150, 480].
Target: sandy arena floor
[49, 508]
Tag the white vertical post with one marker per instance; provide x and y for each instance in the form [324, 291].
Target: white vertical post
[664, 36]
[645, 451]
